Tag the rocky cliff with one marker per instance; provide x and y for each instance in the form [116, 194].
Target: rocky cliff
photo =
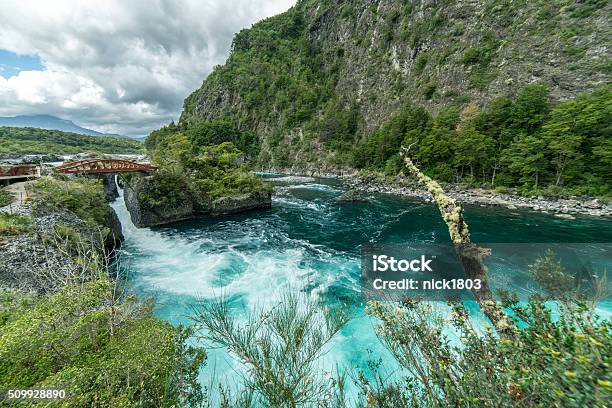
[319, 78]
[56, 248]
[147, 210]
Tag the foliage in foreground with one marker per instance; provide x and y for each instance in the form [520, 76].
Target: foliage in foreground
[557, 355]
[45, 141]
[561, 362]
[280, 348]
[103, 351]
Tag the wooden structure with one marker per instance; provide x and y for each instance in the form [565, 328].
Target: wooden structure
[103, 166]
[18, 171]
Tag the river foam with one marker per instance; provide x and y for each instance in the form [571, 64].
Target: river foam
[306, 243]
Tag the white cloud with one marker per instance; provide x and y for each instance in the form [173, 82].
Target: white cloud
[118, 66]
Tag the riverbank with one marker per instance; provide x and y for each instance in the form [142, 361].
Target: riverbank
[566, 208]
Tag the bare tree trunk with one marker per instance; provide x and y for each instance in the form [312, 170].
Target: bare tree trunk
[470, 254]
[494, 171]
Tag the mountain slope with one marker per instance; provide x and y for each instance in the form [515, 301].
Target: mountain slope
[319, 79]
[15, 141]
[49, 122]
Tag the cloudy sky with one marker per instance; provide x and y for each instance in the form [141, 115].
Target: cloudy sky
[113, 65]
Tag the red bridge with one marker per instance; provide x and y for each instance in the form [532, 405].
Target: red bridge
[97, 166]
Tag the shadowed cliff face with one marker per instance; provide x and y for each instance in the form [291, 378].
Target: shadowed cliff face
[147, 210]
[328, 65]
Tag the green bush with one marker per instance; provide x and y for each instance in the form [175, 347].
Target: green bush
[84, 197]
[103, 351]
[5, 198]
[14, 224]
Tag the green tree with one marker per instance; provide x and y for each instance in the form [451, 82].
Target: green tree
[566, 152]
[530, 108]
[526, 157]
[472, 149]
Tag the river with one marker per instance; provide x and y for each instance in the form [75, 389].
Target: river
[308, 242]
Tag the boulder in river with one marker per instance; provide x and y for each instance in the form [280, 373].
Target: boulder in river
[351, 196]
[241, 203]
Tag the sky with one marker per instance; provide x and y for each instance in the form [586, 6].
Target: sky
[115, 66]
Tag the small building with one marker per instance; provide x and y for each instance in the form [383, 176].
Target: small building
[18, 171]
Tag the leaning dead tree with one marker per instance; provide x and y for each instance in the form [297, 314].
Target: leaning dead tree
[470, 254]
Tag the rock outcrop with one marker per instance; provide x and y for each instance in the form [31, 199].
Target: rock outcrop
[241, 203]
[146, 214]
[47, 256]
[148, 210]
[110, 187]
[352, 195]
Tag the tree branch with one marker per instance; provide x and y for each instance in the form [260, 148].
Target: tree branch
[471, 255]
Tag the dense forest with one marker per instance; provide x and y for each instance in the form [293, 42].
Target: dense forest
[44, 141]
[529, 142]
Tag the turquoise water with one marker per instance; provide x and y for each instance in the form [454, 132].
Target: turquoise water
[308, 242]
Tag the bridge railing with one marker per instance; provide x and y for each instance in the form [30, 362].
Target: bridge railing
[96, 166]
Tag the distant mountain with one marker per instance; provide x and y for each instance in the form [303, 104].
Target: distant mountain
[50, 122]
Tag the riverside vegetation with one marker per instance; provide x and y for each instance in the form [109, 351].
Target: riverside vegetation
[66, 320]
[332, 85]
[503, 94]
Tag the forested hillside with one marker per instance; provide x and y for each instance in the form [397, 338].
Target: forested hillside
[488, 89]
[44, 141]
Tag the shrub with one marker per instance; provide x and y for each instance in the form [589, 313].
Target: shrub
[84, 197]
[5, 198]
[280, 348]
[13, 224]
[103, 351]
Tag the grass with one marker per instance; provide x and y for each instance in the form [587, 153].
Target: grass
[13, 224]
[5, 198]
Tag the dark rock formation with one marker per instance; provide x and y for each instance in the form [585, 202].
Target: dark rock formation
[351, 196]
[149, 209]
[115, 237]
[241, 203]
[144, 214]
[110, 187]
